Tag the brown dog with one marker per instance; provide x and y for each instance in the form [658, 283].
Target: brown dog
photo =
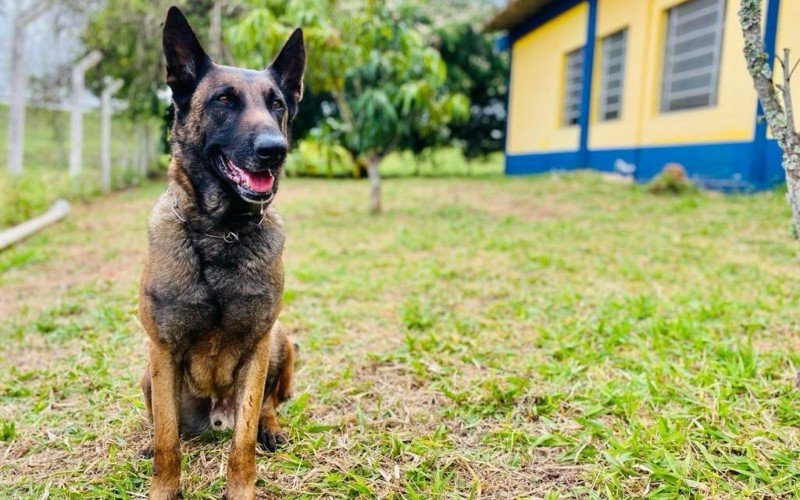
[212, 282]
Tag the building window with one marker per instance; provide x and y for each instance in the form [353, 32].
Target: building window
[573, 83]
[692, 58]
[613, 73]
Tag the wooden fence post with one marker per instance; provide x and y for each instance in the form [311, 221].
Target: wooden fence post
[105, 132]
[19, 83]
[76, 115]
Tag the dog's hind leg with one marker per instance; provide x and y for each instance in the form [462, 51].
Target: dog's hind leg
[276, 390]
[147, 391]
[146, 450]
[270, 433]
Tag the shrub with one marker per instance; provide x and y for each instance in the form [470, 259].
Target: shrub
[672, 180]
[315, 158]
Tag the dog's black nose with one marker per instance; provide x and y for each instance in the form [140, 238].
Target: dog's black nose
[271, 147]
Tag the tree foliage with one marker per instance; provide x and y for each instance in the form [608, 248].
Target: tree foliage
[381, 77]
[128, 34]
[477, 70]
[386, 84]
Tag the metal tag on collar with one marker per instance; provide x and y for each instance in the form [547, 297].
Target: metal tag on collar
[230, 237]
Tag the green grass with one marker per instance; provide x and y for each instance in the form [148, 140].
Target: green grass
[554, 336]
[46, 162]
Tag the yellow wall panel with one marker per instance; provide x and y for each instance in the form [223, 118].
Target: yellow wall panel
[613, 16]
[732, 119]
[789, 38]
[537, 83]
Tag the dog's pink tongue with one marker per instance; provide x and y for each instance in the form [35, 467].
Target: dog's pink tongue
[260, 182]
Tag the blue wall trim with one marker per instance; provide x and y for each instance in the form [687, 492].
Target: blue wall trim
[541, 162]
[722, 165]
[508, 101]
[715, 165]
[502, 43]
[760, 163]
[586, 84]
[552, 11]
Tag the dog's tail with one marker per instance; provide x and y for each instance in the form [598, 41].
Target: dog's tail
[283, 389]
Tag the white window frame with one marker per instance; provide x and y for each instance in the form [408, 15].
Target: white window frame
[676, 19]
[573, 88]
[618, 40]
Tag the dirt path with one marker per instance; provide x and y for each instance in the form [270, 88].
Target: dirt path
[100, 240]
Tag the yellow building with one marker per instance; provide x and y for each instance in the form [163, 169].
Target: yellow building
[636, 84]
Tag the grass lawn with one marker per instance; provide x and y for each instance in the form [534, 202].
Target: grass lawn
[495, 337]
[46, 161]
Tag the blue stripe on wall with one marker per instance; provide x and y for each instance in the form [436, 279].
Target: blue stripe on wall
[508, 100]
[760, 162]
[541, 162]
[586, 88]
[717, 165]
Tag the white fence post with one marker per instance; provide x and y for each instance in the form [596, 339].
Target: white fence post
[19, 83]
[105, 132]
[76, 115]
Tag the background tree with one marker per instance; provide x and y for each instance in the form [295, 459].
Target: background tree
[474, 68]
[387, 85]
[128, 34]
[477, 70]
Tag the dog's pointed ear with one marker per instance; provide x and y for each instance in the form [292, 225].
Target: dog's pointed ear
[186, 59]
[288, 68]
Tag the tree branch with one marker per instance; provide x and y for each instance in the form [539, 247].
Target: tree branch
[779, 119]
[786, 89]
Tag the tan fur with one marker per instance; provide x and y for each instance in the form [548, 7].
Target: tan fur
[209, 301]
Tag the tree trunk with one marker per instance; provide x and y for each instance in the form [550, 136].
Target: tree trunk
[777, 116]
[148, 153]
[215, 31]
[374, 185]
[137, 148]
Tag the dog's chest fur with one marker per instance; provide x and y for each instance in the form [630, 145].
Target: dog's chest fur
[211, 300]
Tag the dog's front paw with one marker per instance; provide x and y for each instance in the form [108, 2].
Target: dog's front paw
[145, 451]
[239, 492]
[158, 493]
[272, 440]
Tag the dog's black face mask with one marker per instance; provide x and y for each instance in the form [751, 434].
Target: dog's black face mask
[231, 130]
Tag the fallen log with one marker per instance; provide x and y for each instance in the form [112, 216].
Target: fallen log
[15, 234]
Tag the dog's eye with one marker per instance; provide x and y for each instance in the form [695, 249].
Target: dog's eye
[224, 99]
[277, 105]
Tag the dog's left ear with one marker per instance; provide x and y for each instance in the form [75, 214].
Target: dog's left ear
[288, 68]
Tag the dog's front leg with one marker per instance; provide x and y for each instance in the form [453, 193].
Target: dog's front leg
[241, 482]
[166, 387]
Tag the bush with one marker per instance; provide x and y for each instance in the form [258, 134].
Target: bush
[316, 158]
[28, 195]
[672, 180]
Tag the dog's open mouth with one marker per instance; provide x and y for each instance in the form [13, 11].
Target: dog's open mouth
[252, 186]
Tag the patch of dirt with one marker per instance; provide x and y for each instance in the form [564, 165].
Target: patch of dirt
[98, 245]
[531, 209]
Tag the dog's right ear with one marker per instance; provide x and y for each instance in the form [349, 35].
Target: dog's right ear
[186, 59]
